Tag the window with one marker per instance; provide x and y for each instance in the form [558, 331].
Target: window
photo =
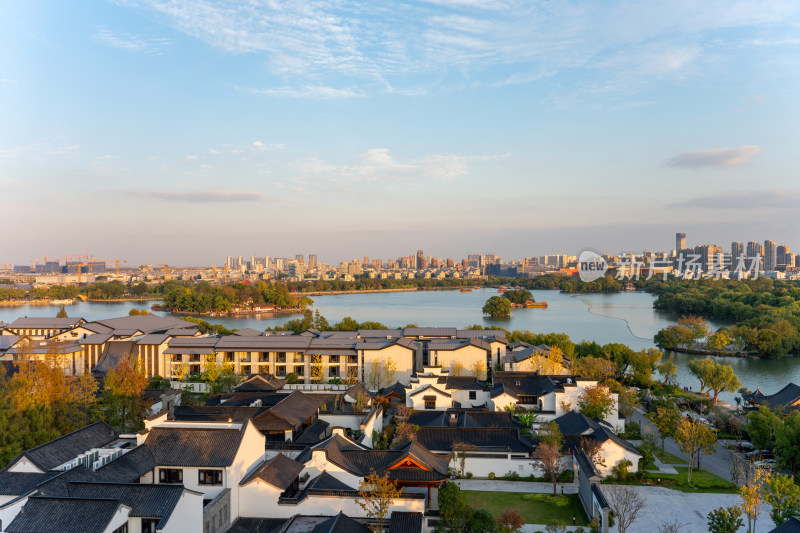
[149, 525]
[170, 475]
[210, 477]
[473, 395]
[280, 371]
[299, 370]
[245, 369]
[123, 528]
[430, 402]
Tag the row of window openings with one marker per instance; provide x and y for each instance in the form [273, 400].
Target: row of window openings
[204, 477]
[265, 358]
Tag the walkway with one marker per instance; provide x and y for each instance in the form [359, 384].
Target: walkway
[499, 485]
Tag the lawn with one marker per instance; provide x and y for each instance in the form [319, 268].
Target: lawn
[668, 458]
[534, 508]
[702, 481]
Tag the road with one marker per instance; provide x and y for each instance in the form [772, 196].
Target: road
[719, 463]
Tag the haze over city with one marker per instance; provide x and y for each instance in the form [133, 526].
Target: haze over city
[163, 132]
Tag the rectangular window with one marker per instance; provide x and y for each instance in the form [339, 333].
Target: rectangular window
[170, 475]
[280, 371]
[122, 529]
[299, 370]
[473, 395]
[246, 369]
[210, 477]
[149, 525]
[430, 402]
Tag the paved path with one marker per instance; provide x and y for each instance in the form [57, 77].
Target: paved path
[665, 505]
[719, 463]
[498, 485]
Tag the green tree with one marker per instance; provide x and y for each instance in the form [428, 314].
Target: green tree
[666, 421]
[454, 513]
[703, 370]
[692, 438]
[122, 402]
[762, 426]
[518, 296]
[725, 520]
[722, 379]
[781, 492]
[787, 443]
[497, 307]
[719, 340]
[594, 368]
[669, 371]
[62, 313]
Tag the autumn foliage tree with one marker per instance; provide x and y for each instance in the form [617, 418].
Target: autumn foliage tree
[692, 438]
[547, 456]
[377, 493]
[124, 407]
[596, 402]
[665, 419]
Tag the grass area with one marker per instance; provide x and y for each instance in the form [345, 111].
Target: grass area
[534, 508]
[702, 481]
[668, 458]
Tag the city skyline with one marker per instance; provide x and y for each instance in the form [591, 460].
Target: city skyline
[447, 125]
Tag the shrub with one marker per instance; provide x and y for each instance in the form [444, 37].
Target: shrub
[469, 475]
[291, 378]
[511, 475]
[491, 475]
[567, 476]
[620, 470]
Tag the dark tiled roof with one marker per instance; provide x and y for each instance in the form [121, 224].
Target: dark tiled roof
[601, 498]
[316, 432]
[219, 413]
[430, 332]
[191, 345]
[258, 525]
[65, 448]
[792, 525]
[261, 383]
[444, 439]
[341, 523]
[181, 446]
[525, 383]
[463, 418]
[398, 388]
[429, 389]
[146, 323]
[153, 338]
[463, 383]
[95, 339]
[280, 472]
[144, 499]
[784, 397]
[401, 522]
[586, 465]
[575, 425]
[64, 515]
[18, 483]
[56, 487]
[296, 408]
[325, 481]
[128, 467]
[247, 332]
[44, 322]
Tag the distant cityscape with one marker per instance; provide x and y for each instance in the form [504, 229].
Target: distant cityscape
[768, 259]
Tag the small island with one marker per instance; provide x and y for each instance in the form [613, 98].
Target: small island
[501, 306]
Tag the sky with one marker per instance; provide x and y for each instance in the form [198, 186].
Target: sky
[181, 132]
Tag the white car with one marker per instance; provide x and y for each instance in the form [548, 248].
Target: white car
[766, 463]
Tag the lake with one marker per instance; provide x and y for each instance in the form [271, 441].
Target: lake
[626, 317]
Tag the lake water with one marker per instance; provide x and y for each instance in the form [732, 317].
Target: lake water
[626, 317]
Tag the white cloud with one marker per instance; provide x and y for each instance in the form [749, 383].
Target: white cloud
[716, 157]
[211, 196]
[132, 43]
[318, 92]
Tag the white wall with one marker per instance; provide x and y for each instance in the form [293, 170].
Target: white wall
[373, 423]
[24, 465]
[613, 454]
[9, 511]
[462, 397]
[120, 518]
[467, 355]
[418, 401]
[344, 420]
[403, 357]
[482, 466]
[319, 463]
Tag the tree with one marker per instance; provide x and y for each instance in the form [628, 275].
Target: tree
[555, 526]
[123, 403]
[692, 438]
[594, 451]
[725, 520]
[594, 368]
[669, 371]
[510, 521]
[518, 296]
[787, 443]
[458, 369]
[781, 492]
[762, 426]
[62, 313]
[454, 513]
[701, 369]
[211, 369]
[317, 369]
[497, 307]
[596, 402]
[752, 496]
[404, 432]
[626, 504]
[547, 457]
[722, 379]
[479, 370]
[381, 373]
[698, 326]
[550, 363]
[377, 494]
[482, 522]
[719, 340]
[628, 402]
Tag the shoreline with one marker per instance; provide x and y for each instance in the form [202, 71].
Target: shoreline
[377, 291]
[117, 300]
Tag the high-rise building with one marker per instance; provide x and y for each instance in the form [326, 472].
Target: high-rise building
[783, 255]
[450, 263]
[770, 255]
[755, 249]
[420, 260]
[737, 249]
[312, 261]
[229, 262]
[680, 242]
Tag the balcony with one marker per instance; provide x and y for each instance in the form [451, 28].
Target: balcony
[194, 358]
[263, 358]
[352, 359]
[281, 358]
[333, 359]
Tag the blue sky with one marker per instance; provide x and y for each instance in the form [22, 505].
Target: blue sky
[181, 132]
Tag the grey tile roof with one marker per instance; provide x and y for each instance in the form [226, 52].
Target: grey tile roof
[67, 447]
[248, 332]
[128, 467]
[266, 343]
[146, 323]
[430, 332]
[517, 383]
[429, 389]
[191, 345]
[280, 472]
[181, 446]
[325, 481]
[444, 439]
[316, 432]
[45, 322]
[216, 413]
[258, 525]
[114, 352]
[382, 333]
[261, 383]
[463, 383]
[402, 522]
[341, 523]
[296, 408]
[95, 339]
[145, 500]
[18, 483]
[153, 338]
[64, 515]
[792, 525]
[784, 397]
[494, 335]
